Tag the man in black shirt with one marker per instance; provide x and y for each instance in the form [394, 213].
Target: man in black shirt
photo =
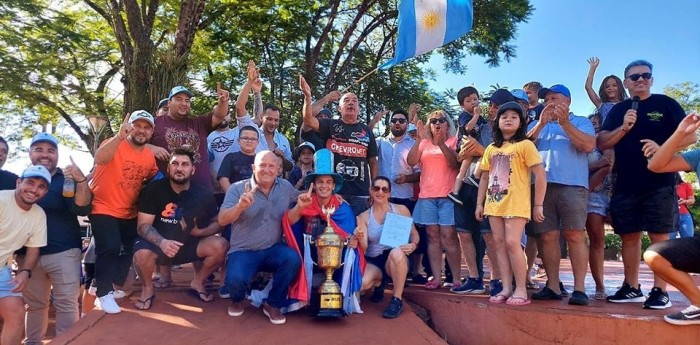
[177, 222]
[8, 180]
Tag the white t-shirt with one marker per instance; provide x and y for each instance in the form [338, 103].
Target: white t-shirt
[19, 228]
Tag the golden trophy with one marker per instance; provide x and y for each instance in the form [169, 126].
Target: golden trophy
[329, 246]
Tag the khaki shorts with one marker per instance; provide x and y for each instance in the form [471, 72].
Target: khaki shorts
[564, 208]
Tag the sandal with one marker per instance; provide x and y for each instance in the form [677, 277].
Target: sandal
[600, 295]
[518, 301]
[162, 284]
[532, 286]
[498, 299]
[202, 296]
[145, 304]
[432, 285]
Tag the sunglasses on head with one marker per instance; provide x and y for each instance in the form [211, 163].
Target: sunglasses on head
[399, 120]
[383, 189]
[438, 120]
[636, 76]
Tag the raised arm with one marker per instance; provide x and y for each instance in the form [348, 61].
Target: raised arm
[414, 154]
[593, 63]
[242, 99]
[332, 96]
[106, 151]
[309, 120]
[221, 108]
[665, 159]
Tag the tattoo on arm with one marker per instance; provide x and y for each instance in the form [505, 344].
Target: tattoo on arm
[150, 233]
[257, 105]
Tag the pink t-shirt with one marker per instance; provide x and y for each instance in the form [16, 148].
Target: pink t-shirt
[437, 178]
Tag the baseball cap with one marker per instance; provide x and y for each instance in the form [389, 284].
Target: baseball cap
[44, 137]
[556, 88]
[163, 102]
[37, 171]
[303, 145]
[411, 127]
[501, 96]
[325, 112]
[179, 89]
[141, 115]
[511, 106]
[520, 95]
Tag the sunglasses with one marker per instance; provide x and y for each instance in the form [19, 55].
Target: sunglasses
[383, 189]
[401, 121]
[438, 120]
[636, 76]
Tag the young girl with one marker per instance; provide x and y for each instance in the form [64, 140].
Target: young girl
[505, 186]
[609, 93]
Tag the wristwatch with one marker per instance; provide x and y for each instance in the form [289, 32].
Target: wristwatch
[29, 272]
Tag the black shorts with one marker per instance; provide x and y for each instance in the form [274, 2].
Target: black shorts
[682, 253]
[465, 220]
[651, 211]
[186, 254]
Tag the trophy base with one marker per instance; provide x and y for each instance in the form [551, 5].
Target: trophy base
[323, 310]
[330, 313]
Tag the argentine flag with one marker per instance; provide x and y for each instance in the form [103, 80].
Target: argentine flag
[428, 24]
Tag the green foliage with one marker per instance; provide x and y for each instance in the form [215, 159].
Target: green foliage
[613, 241]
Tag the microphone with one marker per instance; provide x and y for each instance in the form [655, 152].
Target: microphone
[635, 102]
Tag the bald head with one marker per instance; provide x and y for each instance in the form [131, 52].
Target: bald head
[266, 168]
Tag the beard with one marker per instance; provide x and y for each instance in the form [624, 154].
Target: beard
[180, 180]
[397, 132]
[223, 125]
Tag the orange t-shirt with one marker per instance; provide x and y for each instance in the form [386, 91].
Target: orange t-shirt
[116, 185]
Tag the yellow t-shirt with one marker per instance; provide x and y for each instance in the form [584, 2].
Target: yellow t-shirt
[508, 192]
[19, 228]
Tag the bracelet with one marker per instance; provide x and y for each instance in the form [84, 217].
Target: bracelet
[81, 181]
[29, 272]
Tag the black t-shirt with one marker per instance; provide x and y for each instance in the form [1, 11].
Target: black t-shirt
[8, 180]
[236, 166]
[533, 114]
[159, 199]
[352, 146]
[657, 118]
[312, 137]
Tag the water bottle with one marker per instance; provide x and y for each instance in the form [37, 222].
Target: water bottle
[68, 188]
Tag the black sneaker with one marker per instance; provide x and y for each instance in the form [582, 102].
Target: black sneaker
[657, 299]
[393, 310]
[378, 293]
[546, 294]
[627, 294]
[419, 279]
[687, 316]
[578, 298]
[562, 289]
[455, 199]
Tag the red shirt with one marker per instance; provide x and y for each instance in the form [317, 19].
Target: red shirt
[684, 191]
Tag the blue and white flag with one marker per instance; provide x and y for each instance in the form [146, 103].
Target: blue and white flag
[428, 24]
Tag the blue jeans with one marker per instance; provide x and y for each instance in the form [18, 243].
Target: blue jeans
[279, 259]
[685, 226]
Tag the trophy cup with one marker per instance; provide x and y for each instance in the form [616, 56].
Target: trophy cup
[329, 246]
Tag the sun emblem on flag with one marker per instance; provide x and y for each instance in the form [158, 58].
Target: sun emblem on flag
[431, 20]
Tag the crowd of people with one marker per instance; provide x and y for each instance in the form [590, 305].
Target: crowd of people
[514, 184]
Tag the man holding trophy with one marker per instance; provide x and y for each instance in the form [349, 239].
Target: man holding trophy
[326, 224]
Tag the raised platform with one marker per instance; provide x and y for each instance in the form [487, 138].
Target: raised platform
[473, 320]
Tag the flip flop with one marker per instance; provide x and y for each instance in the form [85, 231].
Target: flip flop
[162, 284]
[498, 299]
[145, 304]
[432, 285]
[518, 301]
[532, 286]
[201, 296]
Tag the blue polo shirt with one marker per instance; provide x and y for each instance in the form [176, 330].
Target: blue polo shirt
[563, 163]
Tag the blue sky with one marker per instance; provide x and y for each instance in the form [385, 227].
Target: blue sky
[552, 47]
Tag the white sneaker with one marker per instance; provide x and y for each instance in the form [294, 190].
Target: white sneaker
[92, 290]
[118, 294]
[107, 304]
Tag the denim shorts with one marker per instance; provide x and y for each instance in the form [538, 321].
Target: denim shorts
[598, 203]
[6, 284]
[434, 211]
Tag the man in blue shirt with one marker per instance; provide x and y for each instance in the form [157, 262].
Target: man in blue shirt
[564, 141]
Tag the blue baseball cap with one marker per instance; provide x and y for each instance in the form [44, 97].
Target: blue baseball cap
[411, 128]
[37, 171]
[500, 97]
[179, 89]
[520, 95]
[163, 102]
[46, 138]
[556, 88]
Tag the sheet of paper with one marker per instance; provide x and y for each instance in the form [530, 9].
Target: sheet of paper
[396, 231]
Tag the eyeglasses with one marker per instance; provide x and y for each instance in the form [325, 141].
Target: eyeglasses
[248, 139]
[636, 76]
[399, 120]
[383, 189]
[438, 120]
